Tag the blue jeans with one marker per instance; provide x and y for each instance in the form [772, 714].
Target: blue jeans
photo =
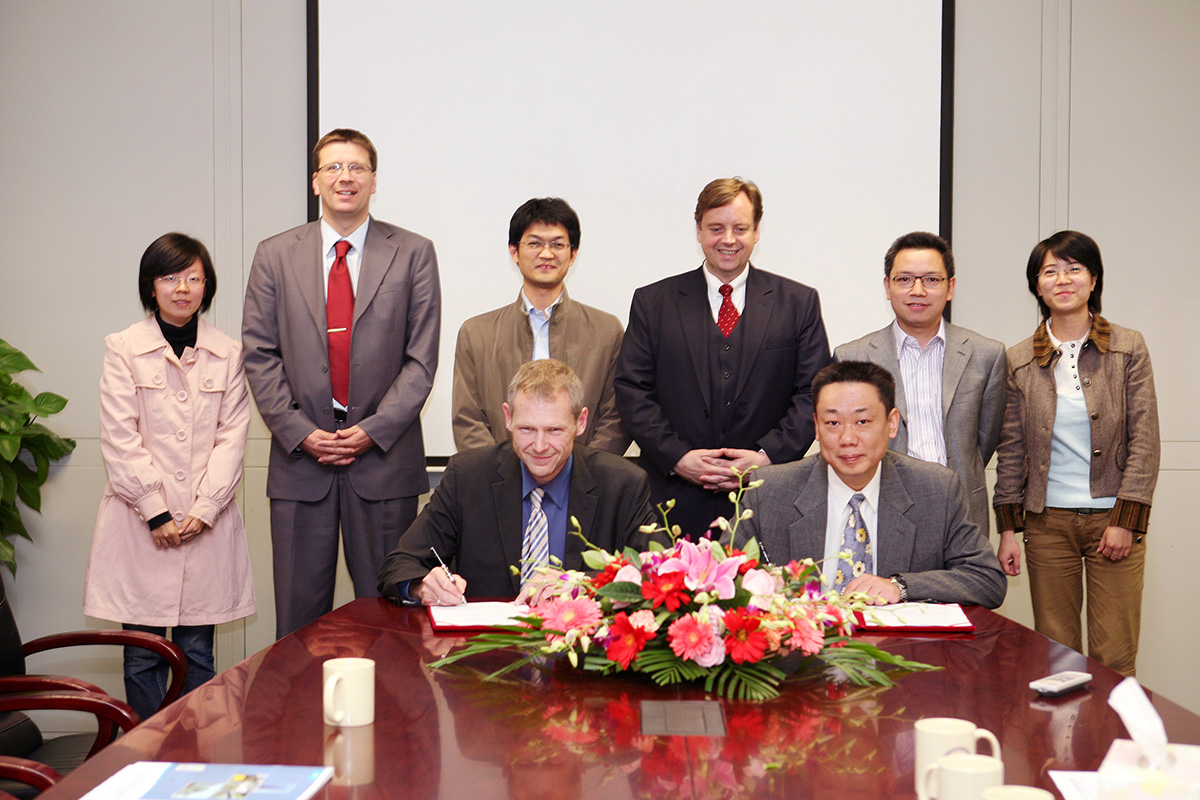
[147, 673]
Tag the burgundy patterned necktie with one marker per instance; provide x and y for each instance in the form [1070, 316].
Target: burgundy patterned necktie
[727, 316]
[339, 315]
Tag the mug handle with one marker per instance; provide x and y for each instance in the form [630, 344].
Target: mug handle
[923, 791]
[336, 714]
[984, 733]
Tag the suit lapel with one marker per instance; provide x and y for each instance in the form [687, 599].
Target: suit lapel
[760, 303]
[883, 353]
[506, 499]
[694, 314]
[378, 253]
[807, 533]
[581, 504]
[307, 264]
[958, 353]
[897, 531]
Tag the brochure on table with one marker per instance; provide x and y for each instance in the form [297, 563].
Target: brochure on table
[162, 780]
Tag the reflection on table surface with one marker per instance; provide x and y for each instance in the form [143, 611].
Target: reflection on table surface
[555, 733]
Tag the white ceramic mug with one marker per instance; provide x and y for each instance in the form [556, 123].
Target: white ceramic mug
[1016, 793]
[938, 736]
[961, 776]
[351, 753]
[349, 695]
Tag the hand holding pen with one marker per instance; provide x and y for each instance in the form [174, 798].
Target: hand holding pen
[441, 587]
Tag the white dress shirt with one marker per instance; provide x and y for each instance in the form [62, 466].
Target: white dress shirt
[921, 371]
[738, 297]
[838, 514]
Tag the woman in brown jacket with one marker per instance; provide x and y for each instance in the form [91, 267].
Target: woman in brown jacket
[1078, 457]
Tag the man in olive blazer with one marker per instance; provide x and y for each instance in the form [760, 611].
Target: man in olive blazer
[359, 469]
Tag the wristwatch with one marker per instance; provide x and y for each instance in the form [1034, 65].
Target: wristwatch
[901, 584]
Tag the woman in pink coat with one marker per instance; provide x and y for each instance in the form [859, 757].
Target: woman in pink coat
[169, 548]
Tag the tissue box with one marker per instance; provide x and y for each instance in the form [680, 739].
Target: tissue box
[1125, 776]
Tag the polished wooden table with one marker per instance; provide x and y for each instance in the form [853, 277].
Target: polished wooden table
[557, 734]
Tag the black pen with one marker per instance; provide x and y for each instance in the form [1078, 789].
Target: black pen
[449, 574]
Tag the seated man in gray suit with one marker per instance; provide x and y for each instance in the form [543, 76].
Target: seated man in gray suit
[511, 503]
[949, 380]
[903, 522]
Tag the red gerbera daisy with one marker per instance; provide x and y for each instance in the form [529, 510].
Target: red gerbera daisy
[744, 642]
[667, 589]
[627, 641]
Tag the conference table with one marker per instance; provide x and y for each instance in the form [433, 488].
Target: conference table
[553, 732]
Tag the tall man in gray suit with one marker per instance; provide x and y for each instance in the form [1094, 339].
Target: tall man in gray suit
[893, 527]
[340, 331]
[949, 380]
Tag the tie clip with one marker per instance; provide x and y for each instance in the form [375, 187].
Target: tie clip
[336, 330]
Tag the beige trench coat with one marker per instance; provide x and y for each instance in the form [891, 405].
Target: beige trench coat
[173, 437]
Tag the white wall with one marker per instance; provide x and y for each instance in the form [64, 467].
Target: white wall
[1085, 115]
[126, 119]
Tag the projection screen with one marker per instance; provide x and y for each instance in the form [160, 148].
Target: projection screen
[626, 109]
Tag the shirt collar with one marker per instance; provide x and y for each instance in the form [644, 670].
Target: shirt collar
[714, 283]
[902, 337]
[330, 237]
[1044, 346]
[841, 493]
[528, 306]
[558, 490]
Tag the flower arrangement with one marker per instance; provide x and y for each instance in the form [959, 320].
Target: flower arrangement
[690, 611]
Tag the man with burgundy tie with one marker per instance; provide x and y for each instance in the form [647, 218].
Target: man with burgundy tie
[340, 332]
[510, 504]
[890, 526]
[716, 364]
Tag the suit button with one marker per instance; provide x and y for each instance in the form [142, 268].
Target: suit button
[326, 411]
[180, 475]
[726, 376]
[726, 348]
[181, 435]
[1096, 453]
[324, 368]
[1095, 415]
[1087, 381]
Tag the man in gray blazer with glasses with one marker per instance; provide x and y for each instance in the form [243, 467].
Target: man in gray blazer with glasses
[949, 380]
[340, 331]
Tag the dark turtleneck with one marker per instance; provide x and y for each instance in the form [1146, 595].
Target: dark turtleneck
[179, 338]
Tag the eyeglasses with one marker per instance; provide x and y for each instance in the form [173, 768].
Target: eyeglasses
[175, 280]
[336, 167]
[537, 245]
[928, 281]
[1052, 273]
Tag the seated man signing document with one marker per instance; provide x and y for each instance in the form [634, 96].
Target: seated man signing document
[902, 522]
[511, 504]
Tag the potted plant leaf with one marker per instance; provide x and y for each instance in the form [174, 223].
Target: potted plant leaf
[26, 447]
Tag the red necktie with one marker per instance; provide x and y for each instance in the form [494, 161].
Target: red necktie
[339, 315]
[727, 315]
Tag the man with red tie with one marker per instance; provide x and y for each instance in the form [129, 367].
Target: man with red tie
[340, 331]
[716, 364]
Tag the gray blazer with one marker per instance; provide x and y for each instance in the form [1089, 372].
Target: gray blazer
[973, 383]
[393, 357]
[924, 533]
